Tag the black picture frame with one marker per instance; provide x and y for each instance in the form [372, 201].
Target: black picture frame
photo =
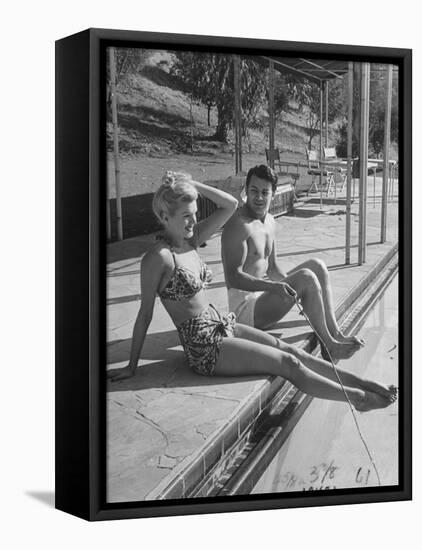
[80, 274]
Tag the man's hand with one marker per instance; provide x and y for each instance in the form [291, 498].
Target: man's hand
[121, 374]
[284, 287]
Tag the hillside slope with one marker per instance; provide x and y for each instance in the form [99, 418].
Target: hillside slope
[155, 112]
[155, 131]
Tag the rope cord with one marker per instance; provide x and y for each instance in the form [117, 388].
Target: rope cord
[344, 391]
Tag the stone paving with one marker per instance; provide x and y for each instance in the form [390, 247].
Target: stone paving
[161, 418]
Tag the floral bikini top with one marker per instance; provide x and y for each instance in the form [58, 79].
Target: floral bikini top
[184, 283]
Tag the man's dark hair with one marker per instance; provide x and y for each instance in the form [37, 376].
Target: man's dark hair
[263, 172]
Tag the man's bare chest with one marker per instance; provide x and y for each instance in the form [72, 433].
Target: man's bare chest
[260, 242]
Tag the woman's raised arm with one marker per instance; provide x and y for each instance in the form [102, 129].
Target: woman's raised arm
[226, 205]
[152, 268]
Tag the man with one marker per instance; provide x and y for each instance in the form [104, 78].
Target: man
[259, 292]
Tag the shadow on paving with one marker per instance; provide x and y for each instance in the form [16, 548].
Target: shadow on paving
[129, 249]
[171, 372]
[166, 368]
[137, 297]
[295, 339]
[304, 213]
[123, 299]
[316, 250]
[336, 267]
[123, 273]
[155, 343]
[329, 201]
[289, 324]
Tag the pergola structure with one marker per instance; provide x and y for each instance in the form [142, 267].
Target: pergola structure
[321, 72]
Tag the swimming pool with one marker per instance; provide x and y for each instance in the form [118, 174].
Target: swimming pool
[324, 450]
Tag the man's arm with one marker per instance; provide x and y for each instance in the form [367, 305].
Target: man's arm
[234, 249]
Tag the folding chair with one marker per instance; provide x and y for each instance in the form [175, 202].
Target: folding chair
[330, 155]
[315, 170]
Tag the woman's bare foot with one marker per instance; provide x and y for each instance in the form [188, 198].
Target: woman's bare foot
[120, 374]
[369, 401]
[389, 392]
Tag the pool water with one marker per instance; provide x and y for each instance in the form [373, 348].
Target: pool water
[324, 451]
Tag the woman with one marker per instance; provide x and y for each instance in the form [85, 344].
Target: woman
[215, 344]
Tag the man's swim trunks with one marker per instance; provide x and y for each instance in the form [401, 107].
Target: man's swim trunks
[242, 303]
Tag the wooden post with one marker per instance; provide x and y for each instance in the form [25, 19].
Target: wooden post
[236, 136]
[320, 143]
[108, 220]
[363, 162]
[116, 144]
[271, 113]
[349, 161]
[357, 77]
[326, 113]
[237, 113]
[191, 121]
[386, 164]
[367, 104]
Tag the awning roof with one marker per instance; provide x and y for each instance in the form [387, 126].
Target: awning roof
[316, 70]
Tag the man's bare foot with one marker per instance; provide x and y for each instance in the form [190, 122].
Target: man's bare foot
[340, 337]
[370, 401]
[339, 350]
[389, 392]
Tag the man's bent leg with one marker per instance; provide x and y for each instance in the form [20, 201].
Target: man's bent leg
[309, 291]
[270, 307]
[319, 268]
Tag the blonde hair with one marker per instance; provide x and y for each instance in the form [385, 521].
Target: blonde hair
[176, 188]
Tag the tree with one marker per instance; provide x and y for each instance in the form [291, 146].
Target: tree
[209, 78]
[130, 60]
[206, 78]
[378, 98]
[281, 95]
[307, 95]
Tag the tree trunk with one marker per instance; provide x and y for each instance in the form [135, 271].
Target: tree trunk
[209, 114]
[221, 130]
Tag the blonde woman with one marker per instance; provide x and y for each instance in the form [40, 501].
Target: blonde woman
[214, 344]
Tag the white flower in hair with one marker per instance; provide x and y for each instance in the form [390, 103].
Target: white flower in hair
[169, 178]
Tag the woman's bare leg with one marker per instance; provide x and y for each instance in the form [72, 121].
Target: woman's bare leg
[240, 357]
[316, 364]
[324, 368]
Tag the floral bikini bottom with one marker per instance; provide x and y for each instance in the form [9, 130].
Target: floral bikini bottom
[202, 336]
